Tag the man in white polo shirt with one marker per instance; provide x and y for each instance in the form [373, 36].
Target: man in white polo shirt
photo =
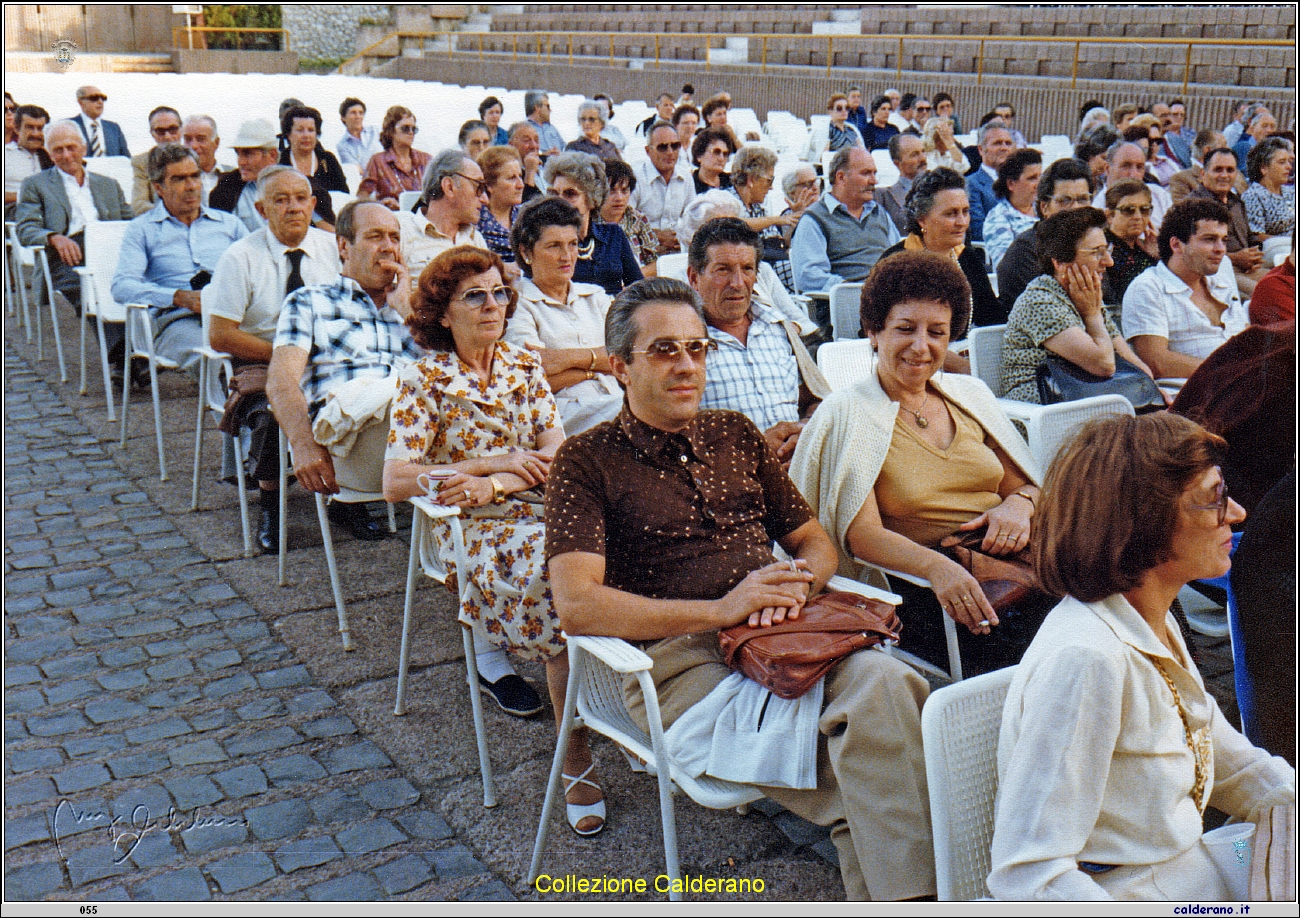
[663, 185]
[454, 191]
[243, 305]
[1178, 312]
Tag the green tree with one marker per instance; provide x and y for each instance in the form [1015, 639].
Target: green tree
[243, 16]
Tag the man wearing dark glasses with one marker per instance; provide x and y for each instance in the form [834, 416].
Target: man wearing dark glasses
[455, 190]
[664, 185]
[103, 138]
[659, 530]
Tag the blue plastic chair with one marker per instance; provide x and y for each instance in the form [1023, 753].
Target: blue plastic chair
[1241, 676]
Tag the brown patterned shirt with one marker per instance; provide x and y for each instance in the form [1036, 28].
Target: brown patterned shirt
[676, 516]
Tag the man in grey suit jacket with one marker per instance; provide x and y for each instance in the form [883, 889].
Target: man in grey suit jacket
[112, 142]
[54, 206]
[908, 154]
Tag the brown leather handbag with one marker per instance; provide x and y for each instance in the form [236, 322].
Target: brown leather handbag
[1007, 580]
[789, 658]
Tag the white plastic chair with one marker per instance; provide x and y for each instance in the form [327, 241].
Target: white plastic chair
[352, 175]
[345, 496]
[673, 265]
[424, 559]
[1046, 426]
[949, 630]
[35, 257]
[959, 730]
[103, 244]
[215, 372]
[846, 310]
[118, 168]
[594, 698]
[406, 200]
[139, 343]
[843, 363]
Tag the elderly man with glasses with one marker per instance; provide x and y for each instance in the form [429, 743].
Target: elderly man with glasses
[455, 192]
[664, 185]
[164, 127]
[103, 137]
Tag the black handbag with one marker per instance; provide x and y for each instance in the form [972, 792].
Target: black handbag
[1062, 381]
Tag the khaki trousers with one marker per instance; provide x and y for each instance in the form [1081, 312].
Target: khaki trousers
[871, 788]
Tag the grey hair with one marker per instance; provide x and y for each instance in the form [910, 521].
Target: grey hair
[839, 163]
[532, 99]
[445, 165]
[164, 155]
[64, 124]
[702, 209]
[1259, 113]
[269, 174]
[517, 127]
[620, 322]
[585, 171]
[791, 178]
[1092, 119]
[202, 119]
[994, 124]
[591, 105]
[750, 162]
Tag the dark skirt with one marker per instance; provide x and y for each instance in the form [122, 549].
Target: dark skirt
[923, 631]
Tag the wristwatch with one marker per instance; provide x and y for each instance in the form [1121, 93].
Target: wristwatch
[498, 492]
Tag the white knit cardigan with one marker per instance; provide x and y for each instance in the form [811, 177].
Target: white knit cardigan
[841, 451]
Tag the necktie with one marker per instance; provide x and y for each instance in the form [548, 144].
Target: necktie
[295, 270]
[96, 142]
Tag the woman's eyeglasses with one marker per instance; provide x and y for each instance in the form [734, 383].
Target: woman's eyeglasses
[1220, 505]
[407, 129]
[477, 297]
[1132, 210]
[670, 350]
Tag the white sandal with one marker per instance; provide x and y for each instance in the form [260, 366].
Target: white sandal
[578, 811]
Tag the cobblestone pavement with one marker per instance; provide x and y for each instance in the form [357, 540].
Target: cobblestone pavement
[178, 727]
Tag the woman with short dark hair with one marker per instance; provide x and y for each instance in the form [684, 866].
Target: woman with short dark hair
[605, 255]
[301, 125]
[711, 149]
[904, 463]
[400, 167]
[475, 426]
[1061, 311]
[490, 110]
[1110, 748]
[1017, 188]
[617, 209]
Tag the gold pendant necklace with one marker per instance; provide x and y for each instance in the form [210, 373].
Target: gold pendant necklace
[921, 422]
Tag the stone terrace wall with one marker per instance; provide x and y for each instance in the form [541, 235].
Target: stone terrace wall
[326, 31]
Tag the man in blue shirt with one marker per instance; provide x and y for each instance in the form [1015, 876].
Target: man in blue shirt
[841, 237]
[537, 108]
[169, 253]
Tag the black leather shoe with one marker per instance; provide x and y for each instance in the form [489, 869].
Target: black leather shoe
[356, 519]
[268, 533]
[140, 373]
[512, 695]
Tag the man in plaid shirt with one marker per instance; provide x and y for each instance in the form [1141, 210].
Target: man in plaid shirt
[331, 334]
[755, 369]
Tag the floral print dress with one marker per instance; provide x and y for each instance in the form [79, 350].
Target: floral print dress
[444, 413]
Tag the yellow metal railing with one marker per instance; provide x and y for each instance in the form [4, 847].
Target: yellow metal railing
[535, 41]
[188, 33]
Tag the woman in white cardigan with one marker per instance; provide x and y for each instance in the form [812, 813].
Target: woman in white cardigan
[910, 459]
[1110, 747]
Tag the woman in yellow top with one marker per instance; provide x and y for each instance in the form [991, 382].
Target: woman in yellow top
[909, 459]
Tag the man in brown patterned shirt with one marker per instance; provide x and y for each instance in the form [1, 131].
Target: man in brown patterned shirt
[659, 531]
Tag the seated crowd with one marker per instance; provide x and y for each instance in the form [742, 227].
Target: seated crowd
[603, 353]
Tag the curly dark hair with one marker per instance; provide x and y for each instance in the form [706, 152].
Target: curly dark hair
[923, 276]
[1181, 219]
[925, 189]
[705, 139]
[1060, 234]
[1014, 168]
[536, 216]
[438, 283]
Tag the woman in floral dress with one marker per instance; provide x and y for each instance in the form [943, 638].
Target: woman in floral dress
[477, 416]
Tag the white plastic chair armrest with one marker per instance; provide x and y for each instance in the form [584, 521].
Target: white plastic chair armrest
[910, 578]
[847, 585]
[205, 351]
[432, 510]
[1018, 410]
[615, 653]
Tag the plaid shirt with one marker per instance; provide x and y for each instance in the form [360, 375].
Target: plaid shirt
[759, 378]
[384, 178]
[344, 336]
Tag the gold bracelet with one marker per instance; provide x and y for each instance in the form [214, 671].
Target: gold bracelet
[1029, 497]
[498, 490]
[592, 365]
